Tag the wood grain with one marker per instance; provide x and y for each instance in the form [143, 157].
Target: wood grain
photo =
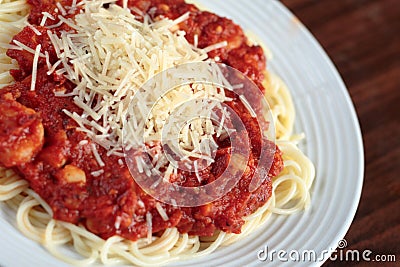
[362, 37]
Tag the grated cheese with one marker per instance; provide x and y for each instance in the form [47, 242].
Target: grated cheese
[27, 48]
[196, 40]
[196, 171]
[139, 164]
[221, 125]
[97, 155]
[216, 46]
[247, 105]
[97, 173]
[73, 7]
[33, 28]
[35, 66]
[10, 46]
[46, 15]
[173, 201]
[110, 55]
[48, 64]
[117, 223]
[162, 212]
[168, 172]
[61, 9]
[141, 203]
[83, 142]
[52, 68]
[149, 224]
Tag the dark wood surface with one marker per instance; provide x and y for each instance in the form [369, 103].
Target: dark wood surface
[362, 37]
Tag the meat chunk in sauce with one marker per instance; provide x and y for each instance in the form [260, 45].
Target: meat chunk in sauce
[21, 132]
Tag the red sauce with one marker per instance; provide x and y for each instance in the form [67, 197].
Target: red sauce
[114, 196]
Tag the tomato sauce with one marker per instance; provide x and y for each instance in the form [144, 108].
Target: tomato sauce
[111, 202]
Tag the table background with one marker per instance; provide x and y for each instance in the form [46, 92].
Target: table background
[362, 37]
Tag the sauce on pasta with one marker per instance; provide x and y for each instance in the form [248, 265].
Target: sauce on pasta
[59, 162]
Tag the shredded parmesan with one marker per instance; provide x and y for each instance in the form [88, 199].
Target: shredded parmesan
[141, 203]
[53, 68]
[118, 221]
[221, 125]
[10, 46]
[162, 212]
[46, 15]
[149, 224]
[83, 142]
[173, 201]
[97, 155]
[238, 86]
[61, 9]
[168, 172]
[196, 171]
[48, 64]
[97, 173]
[125, 4]
[73, 7]
[247, 105]
[216, 46]
[110, 55]
[116, 60]
[33, 28]
[35, 66]
[139, 164]
[196, 40]
[27, 48]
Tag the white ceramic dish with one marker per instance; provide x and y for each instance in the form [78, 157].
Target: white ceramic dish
[325, 114]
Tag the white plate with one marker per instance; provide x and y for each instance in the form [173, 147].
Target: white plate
[325, 114]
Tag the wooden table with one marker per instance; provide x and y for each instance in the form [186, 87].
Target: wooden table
[362, 37]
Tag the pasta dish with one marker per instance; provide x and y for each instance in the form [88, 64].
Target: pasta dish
[141, 131]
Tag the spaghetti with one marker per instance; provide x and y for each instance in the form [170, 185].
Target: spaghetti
[34, 217]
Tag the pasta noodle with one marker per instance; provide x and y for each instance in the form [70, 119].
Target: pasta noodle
[34, 217]
[12, 20]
